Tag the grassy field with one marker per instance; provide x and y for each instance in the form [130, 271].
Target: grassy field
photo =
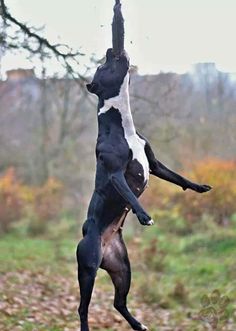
[180, 282]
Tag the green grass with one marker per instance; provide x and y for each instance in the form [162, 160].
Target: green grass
[21, 253]
[174, 276]
[200, 257]
[193, 265]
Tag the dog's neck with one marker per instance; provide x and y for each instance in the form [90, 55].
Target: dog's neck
[122, 103]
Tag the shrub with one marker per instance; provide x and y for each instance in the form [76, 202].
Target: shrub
[159, 195]
[46, 207]
[48, 200]
[190, 206]
[39, 204]
[11, 200]
[219, 202]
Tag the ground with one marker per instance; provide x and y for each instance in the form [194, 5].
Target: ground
[171, 273]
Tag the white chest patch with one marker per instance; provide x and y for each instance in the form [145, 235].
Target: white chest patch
[136, 144]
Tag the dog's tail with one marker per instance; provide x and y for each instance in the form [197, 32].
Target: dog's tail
[118, 31]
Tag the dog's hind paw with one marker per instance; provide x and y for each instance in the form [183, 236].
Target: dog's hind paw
[140, 327]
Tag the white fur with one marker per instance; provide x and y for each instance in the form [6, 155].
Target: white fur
[136, 144]
[151, 222]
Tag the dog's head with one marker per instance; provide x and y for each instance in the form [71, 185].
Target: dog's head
[110, 76]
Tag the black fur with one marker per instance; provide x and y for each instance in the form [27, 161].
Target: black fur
[119, 182]
[109, 77]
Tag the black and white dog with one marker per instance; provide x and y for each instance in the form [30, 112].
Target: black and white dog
[124, 161]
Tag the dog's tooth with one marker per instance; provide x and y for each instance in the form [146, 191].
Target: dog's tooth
[138, 189]
[139, 174]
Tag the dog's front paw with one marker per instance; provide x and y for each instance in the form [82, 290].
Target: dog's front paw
[201, 188]
[144, 219]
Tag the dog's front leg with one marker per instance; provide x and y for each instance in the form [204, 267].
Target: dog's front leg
[119, 182]
[160, 170]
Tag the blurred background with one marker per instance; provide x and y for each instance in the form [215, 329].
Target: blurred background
[183, 99]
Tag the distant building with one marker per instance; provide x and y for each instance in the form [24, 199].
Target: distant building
[20, 74]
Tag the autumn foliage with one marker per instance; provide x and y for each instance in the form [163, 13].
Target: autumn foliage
[17, 200]
[219, 203]
[44, 203]
[11, 200]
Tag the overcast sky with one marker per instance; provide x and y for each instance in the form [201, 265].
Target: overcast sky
[161, 35]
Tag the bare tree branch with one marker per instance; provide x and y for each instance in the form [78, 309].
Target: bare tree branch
[36, 44]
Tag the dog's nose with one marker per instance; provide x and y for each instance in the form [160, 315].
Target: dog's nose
[92, 88]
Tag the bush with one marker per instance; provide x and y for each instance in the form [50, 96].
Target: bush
[159, 195]
[17, 201]
[11, 202]
[48, 200]
[47, 205]
[220, 201]
[190, 206]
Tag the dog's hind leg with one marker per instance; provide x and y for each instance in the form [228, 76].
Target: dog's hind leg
[89, 259]
[116, 263]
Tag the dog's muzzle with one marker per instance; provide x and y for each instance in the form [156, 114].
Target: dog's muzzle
[92, 88]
